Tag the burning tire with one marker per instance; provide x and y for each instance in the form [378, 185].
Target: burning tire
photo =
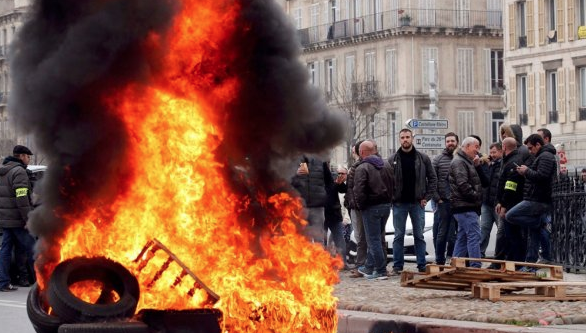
[109, 327]
[42, 321]
[111, 275]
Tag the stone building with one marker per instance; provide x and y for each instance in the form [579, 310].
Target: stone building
[386, 62]
[545, 70]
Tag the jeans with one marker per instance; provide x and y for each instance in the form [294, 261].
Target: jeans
[417, 214]
[316, 220]
[15, 237]
[545, 238]
[446, 234]
[337, 234]
[375, 219]
[529, 214]
[468, 241]
[487, 219]
[358, 226]
[516, 242]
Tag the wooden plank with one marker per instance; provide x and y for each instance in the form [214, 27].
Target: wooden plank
[542, 291]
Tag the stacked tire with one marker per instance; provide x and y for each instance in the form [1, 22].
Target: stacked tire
[70, 314]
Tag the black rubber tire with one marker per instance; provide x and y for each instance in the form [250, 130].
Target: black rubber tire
[108, 327]
[114, 276]
[35, 308]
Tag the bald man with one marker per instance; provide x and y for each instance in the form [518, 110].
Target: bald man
[373, 188]
[510, 193]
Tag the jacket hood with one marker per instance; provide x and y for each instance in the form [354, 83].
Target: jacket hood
[550, 148]
[518, 133]
[375, 160]
[10, 163]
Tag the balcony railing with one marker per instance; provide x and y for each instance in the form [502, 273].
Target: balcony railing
[424, 18]
[582, 114]
[553, 117]
[364, 92]
[523, 119]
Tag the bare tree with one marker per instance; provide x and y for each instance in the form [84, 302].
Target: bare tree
[360, 101]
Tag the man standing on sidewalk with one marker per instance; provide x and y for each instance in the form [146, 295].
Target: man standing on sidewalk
[444, 225]
[537, 197]
[373, 190]
[466, 199]
[489, 217]
[415, 183]
[15, 204]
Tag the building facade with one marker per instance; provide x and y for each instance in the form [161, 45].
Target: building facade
[545, 69]
[12, 16]
[385, 62]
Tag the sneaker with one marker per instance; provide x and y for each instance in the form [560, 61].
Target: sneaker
[354, 274]
[394, 272]
[421, 269]
[545, 262]
[377, 276]
[9, 287]
[23, 283]
[362, 270]
[526, 269]
[494, 266]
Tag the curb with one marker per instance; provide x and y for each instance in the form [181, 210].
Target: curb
[370, 322]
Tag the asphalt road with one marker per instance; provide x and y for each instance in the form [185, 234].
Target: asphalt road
[13, 317]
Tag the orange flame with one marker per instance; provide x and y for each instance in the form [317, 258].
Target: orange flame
[276, 281]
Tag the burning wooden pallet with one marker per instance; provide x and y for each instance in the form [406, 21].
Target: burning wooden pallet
[542, 291]
[457, 276]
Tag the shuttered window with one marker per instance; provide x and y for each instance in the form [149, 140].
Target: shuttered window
[391, 71]
[369, 65]
[427, 54]
[465, 123]
[465, 67]
[350, 76]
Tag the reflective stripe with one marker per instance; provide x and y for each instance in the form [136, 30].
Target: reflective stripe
[21, 192]
[510, 185]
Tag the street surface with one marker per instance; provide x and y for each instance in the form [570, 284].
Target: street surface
[13, 317]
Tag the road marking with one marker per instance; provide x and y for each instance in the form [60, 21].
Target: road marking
[12, 304]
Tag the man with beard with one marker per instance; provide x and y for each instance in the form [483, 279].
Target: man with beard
[373, 188]
[466, 199]
[415, 183]
[444, 225]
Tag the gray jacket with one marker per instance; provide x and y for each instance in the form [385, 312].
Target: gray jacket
[465, 185]
[425, 178]
[441, 166]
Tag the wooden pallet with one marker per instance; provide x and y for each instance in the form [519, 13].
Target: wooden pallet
[459, 277]
[542, 291]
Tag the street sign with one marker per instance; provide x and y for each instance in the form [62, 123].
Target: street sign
[427, 123]
[428, 141]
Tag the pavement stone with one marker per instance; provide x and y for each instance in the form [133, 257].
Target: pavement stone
[364, 306]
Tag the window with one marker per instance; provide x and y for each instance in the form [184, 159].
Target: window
[582, 12]
[357, 17]
[331, 78]
[297, 18]
[551, 20]
[521, 24]
[464, 71]
[374, 15]
[381, 132]
[426, 13]
[313, 70]
[463, 13]
[314, 22]
[391, 71]
[582, 87]
[494, 71]
[494, 120]
[465, 123]
[552, 96]
[369, 65]
[427, 54]
[522, 98]
[350, 73]
[334, 11]
[495, 12]
[394, 125]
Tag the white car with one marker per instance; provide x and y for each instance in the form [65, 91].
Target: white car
[409, 240]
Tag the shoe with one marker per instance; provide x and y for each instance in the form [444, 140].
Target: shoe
[421, 270]
[526, 269]
[394, 272]
[9, 287]
[362, 270]
[377, 276]
[354, 274]
[23, 283]
[494, 266]
[545, 262]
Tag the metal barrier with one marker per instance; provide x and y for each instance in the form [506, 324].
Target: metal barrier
[568, 238]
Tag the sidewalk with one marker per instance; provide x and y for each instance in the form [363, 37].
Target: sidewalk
[364, 302]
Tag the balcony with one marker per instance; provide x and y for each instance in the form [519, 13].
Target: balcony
[553, 117]
[397, 19]
[365, 92]
[582, 114]
[523, 119]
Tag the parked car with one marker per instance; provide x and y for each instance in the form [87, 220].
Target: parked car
[409, 240]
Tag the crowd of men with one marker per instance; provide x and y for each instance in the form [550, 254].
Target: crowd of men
[511, 188]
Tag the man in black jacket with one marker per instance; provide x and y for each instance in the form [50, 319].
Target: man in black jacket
[537, 196]
[488, 215]
[509, 193]
[15, 204]
[373, 188]
[415, 183]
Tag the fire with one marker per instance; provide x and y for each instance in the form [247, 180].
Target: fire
[276, 281]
